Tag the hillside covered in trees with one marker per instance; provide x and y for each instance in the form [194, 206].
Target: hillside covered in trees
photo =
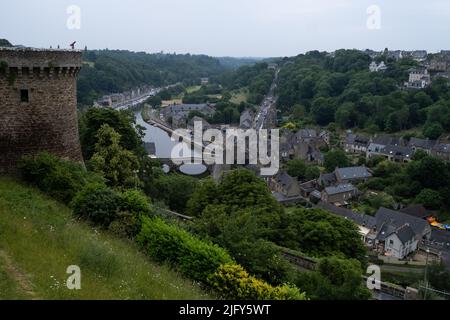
[109, 71]
[321, 88]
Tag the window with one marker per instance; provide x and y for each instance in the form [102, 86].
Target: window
[24, 96]
[391, 242]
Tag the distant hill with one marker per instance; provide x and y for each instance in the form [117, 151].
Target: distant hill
[39, 239]
[5, 43]
[110, 71]
[235, 63]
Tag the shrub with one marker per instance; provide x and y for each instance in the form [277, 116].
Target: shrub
[133, 205]
[58, 178]
[429, 198]
[192, 256]
[233, 282]
[135, 202]
[97, 203]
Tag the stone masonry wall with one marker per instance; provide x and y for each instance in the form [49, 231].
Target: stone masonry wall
[48, 121]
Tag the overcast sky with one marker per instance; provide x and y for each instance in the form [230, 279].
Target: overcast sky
[258, 28]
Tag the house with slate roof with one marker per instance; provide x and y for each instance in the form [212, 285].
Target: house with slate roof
[352, 174]
[398, 242]
[421, 144]
[392, 233]
[344, 175]
[442, 151]
[285, 185]
[394, 153]
[327, 179]
[356, 143]
[305, 144]
[397, 219]
[339, 194]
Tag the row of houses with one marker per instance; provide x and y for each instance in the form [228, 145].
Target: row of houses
[391, 233]
[117, 99]
[419, 78]
[417, 55]
[393, 148]
[178, 114]
[305, 144]
[337, 187]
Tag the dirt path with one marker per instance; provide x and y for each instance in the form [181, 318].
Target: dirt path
[16, 274]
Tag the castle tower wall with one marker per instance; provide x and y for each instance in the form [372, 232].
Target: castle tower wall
[38, 104]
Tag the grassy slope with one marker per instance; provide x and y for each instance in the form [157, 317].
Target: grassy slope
[39, 240]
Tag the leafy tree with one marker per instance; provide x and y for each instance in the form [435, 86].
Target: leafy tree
[117, 165]
[379, 200]
[430, 199]
[206, 193]
[335, 279]
[175, 190]
[96, 203]
[433, 130]
[430, 172]
[296, 168]
[323, 111]
[312, 172]
[346, 116]
[419, 155]
[121, 121]
[336, 159]
[320, 233]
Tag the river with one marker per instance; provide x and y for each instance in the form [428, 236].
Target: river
[164, 145]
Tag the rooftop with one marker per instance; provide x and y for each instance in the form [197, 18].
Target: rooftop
[358, 218]
[397, 219]
[340, 188]
[351, 173]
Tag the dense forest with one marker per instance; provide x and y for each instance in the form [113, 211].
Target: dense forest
[109, 71]
[321, 88]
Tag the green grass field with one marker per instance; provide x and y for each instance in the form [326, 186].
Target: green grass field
[39, 239]
[239, 96]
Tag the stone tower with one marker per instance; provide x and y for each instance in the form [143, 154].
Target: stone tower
[38, 104]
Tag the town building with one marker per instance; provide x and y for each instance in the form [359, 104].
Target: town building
[389, 147]
[246, 119]
[392, 153]
[421, 144]
[389, 233]
[356, 143]
[352, 174]
[419, 78]
[327, 179]
[397, 242]
[205, 124]
[339, 194]
[441, 150]
[374, 67]
[439, 64]
[344, 175]
[285, 185]
[179, 113]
